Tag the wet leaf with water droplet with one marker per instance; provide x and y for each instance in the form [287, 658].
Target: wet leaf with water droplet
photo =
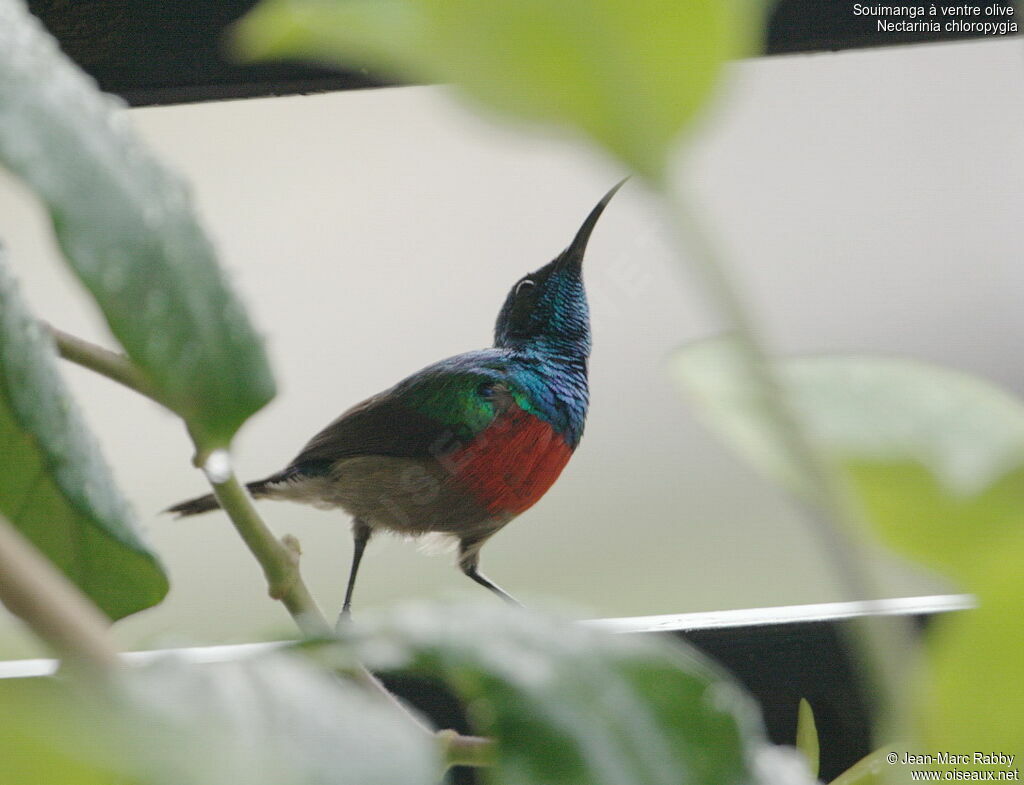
[128, 231]
[572, 705]
[54, 486]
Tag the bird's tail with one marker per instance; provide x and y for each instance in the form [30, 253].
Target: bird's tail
[202, 504]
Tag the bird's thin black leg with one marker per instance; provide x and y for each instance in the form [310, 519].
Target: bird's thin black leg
[475, 574]
[469, 557]
[360, 536]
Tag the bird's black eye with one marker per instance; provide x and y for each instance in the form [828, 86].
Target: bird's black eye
[486, 390]
[525, 284]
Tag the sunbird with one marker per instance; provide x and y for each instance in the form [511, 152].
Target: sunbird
[465, 445]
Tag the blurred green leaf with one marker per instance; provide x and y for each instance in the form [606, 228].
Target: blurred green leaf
[273, 720]
[935, 457]
[568, 704]
[129, 232]
[630, 75]
[55, 487]
[807, 736]
[919, 516]
[974, 699]
[44, 737]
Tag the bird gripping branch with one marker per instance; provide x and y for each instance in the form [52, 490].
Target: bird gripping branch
[465, 445]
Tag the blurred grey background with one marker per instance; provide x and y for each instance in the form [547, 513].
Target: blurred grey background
[867, 201]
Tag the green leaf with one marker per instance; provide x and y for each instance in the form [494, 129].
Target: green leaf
[274, 720]
[807, 736]
[128, 230]
[630, 75]
[568, 704]
[267, 721]
[934, 457]
[55, 487]
[44, 737]
[974, 700]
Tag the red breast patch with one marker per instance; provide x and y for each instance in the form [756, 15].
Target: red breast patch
[512, 463]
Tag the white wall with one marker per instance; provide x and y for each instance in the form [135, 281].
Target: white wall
[869, 201]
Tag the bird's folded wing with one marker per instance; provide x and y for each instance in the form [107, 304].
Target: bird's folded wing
[423, 419]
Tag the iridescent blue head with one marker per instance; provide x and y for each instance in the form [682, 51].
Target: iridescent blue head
[546, 311]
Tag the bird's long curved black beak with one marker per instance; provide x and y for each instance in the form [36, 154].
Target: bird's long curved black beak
[573, 255]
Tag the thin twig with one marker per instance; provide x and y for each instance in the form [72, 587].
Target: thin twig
[280, 562]
[114, 366]
[54, 608]
[279, 559]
